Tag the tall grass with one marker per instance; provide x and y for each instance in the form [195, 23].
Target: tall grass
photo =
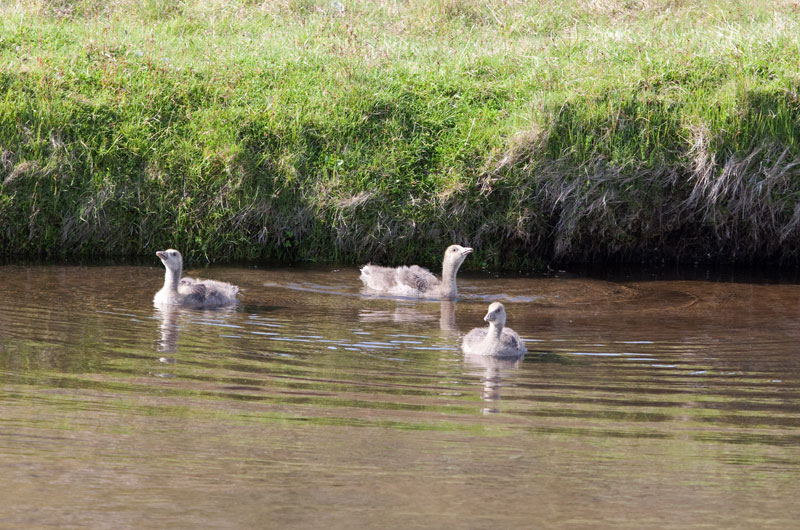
[385, 130]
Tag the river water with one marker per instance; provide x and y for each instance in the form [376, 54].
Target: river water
[640, 404]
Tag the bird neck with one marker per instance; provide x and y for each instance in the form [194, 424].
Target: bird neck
[172, 278]
[449, 270]
[495, 329]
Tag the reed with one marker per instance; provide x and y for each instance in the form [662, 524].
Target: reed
[306, 130]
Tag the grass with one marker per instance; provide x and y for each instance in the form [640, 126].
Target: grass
[305, 130]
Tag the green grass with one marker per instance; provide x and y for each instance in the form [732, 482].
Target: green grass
[385, 130]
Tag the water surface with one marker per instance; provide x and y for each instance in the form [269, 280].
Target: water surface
[662, 404]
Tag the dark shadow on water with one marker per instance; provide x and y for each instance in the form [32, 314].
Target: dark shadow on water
[538, 356]
[261, 308]
[633, 272]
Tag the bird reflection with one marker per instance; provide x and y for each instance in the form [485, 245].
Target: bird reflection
[168, 343]
[447, 315]
[491, 370]
[412, 313]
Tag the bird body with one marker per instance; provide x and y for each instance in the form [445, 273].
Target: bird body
[404, 280]
[416, 281]
[191, 292]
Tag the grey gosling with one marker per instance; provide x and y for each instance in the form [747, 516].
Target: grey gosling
[190, 292]
[417, 281]
[496, 340]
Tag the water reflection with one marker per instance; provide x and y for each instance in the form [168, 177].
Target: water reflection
[492, 371]
[170, 332]
[415, 313]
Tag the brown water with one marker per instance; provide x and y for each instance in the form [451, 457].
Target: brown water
[639, 405]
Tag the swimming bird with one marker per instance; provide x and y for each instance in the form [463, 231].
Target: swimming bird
[190, 292]
[496, 340]
[415, 280]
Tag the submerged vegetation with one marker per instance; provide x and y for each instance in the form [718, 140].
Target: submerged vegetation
[385, 130]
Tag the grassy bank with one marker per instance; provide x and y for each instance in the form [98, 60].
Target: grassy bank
[384, 130]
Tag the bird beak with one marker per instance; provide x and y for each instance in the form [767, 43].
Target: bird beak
[486, 318]
[467, 250]
[161, 254]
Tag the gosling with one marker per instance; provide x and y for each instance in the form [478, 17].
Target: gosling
[496, 340]
[416, 281]
[190, 292]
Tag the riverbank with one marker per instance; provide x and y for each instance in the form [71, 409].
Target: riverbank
[328, 131]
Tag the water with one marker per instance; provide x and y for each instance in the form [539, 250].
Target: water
[661, 404]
